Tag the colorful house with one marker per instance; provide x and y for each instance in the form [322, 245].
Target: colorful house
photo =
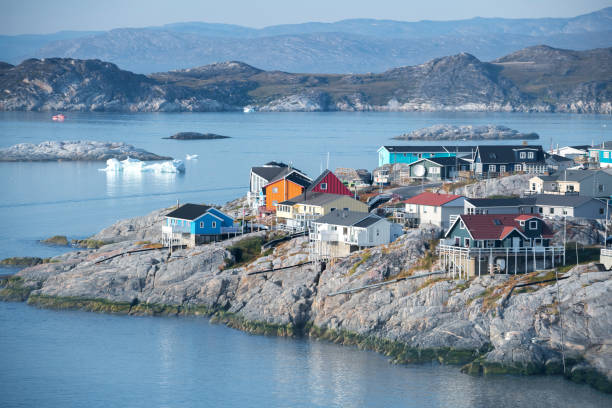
[261, 176]
[193, 224]
[438, 168]
[433, 208]
[492, 160]
[498, 243]
[602, 154]
[329, 183]
[410, 154]
[284, 188]
[298, 213]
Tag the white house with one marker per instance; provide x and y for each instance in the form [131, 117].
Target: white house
[341, 232]
[433, 208]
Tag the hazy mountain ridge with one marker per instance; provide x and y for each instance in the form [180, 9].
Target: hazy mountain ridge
[357, 45]
[537, 79]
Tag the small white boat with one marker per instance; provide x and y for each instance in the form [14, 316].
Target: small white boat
[191, 156]
[248, 109]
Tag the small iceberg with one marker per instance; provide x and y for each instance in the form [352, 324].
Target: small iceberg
[138, 166]
[192, 156]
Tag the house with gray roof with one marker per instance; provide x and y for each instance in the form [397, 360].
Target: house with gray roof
[262, 175]
[341, 232]
[590, 183]
[492, 160]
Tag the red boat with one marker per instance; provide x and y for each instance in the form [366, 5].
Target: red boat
[59, 118]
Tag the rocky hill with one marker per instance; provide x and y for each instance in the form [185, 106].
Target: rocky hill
[455, 83]
[479, 324]
[469, 132]
[355, 45]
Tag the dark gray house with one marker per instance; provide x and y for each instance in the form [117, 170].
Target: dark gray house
[492, 160]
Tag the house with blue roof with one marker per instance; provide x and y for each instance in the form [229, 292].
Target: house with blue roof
[194, 224]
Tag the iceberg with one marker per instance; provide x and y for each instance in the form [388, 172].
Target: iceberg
[139, 166]
[192, 156]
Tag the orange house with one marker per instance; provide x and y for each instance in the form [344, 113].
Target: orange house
[284, 188]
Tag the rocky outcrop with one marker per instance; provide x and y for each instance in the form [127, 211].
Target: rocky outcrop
[480, 323]
[82, 150]
[514, 185]
[458, 82]
[469, 132]
[195, 136]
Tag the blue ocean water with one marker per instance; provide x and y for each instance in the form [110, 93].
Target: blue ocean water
[79, 359]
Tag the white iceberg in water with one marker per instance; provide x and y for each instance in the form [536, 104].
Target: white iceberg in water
[192, 156]
[135, 165]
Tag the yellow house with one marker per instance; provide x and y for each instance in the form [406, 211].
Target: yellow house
[298, 212]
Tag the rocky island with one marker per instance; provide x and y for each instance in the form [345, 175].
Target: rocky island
[479, 324]
[195, 136]
[468, 133]
[82, 150]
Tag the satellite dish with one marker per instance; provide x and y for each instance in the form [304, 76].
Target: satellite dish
[418, 170]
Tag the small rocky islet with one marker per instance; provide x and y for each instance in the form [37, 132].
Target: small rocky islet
[195, 136]
[467, 133]
[79, 150]
[478, 324]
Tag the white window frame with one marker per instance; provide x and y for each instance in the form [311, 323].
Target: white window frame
[214, 224]
[523, 155]
[492, 168]
[518, 167]
[201, 224]
[533, 225]
[466, 242]
[324, 186]
[274, 190]
[606, 155]
[502, 168]
[530, 155]
[461, 224]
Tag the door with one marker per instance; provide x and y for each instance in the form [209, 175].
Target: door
[516, 242]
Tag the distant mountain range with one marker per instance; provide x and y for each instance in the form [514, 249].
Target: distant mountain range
[535, 79]
[358, 46]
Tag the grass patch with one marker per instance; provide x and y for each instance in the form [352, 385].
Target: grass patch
[142, 242]
[88, 243]
[244, 252]
[152, 246]
[356, 265]
[56, 240]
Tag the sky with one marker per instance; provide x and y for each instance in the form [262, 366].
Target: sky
[48, 16]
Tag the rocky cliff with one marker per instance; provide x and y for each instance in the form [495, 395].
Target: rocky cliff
[455, 83]
[481, 324]
[468, 132]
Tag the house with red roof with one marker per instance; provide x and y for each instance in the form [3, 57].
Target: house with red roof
[503, 243]
[434, 208]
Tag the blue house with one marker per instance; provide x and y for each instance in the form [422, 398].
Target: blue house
[602, 153]
[410, 154]
[193, 224]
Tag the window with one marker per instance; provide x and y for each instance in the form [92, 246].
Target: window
[345, 230]
[457, 241]
[601, 210]
[517, 167]
[502, 168]
[466, 242]
[600, 188]
[606, 155]
[214, 224]
[530, 155]
[275, 203]
[377, 232]
[540, 210]
[323, 186]
[523, 155]
[522, 223]
[333, 209]
[552, 210]
[491, 168]
[201, 224]
[275, 189]
[533, 225]
[497, 222]
[434, 170]
[461, 225]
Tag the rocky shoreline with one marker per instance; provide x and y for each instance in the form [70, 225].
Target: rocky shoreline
[80, 150]
[475, 324]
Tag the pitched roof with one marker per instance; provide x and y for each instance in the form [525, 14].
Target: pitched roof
[271, 171]
[298, 179]
[318, 180]
[188, 211]
[345, 218]
[447, 161]
[576, 175]
[556, 200]
[366, 222]
[430, 149]
[313, 198]
[503, 153]
[604, 145]
[500, 202]
[558, 158]
[498, 226]
[433, 199]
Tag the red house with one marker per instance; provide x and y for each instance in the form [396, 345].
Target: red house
[327, 182]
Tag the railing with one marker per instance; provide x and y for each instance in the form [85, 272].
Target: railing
[606, 252]
[497, 250]
[176, 229]
[231, 230]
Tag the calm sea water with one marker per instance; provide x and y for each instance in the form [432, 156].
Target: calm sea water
[79, 359]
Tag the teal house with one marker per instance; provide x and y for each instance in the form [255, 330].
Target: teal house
[193, 224]
[602, 154]
[410, 154]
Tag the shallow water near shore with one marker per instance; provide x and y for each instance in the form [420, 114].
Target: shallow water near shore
[71, 359]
